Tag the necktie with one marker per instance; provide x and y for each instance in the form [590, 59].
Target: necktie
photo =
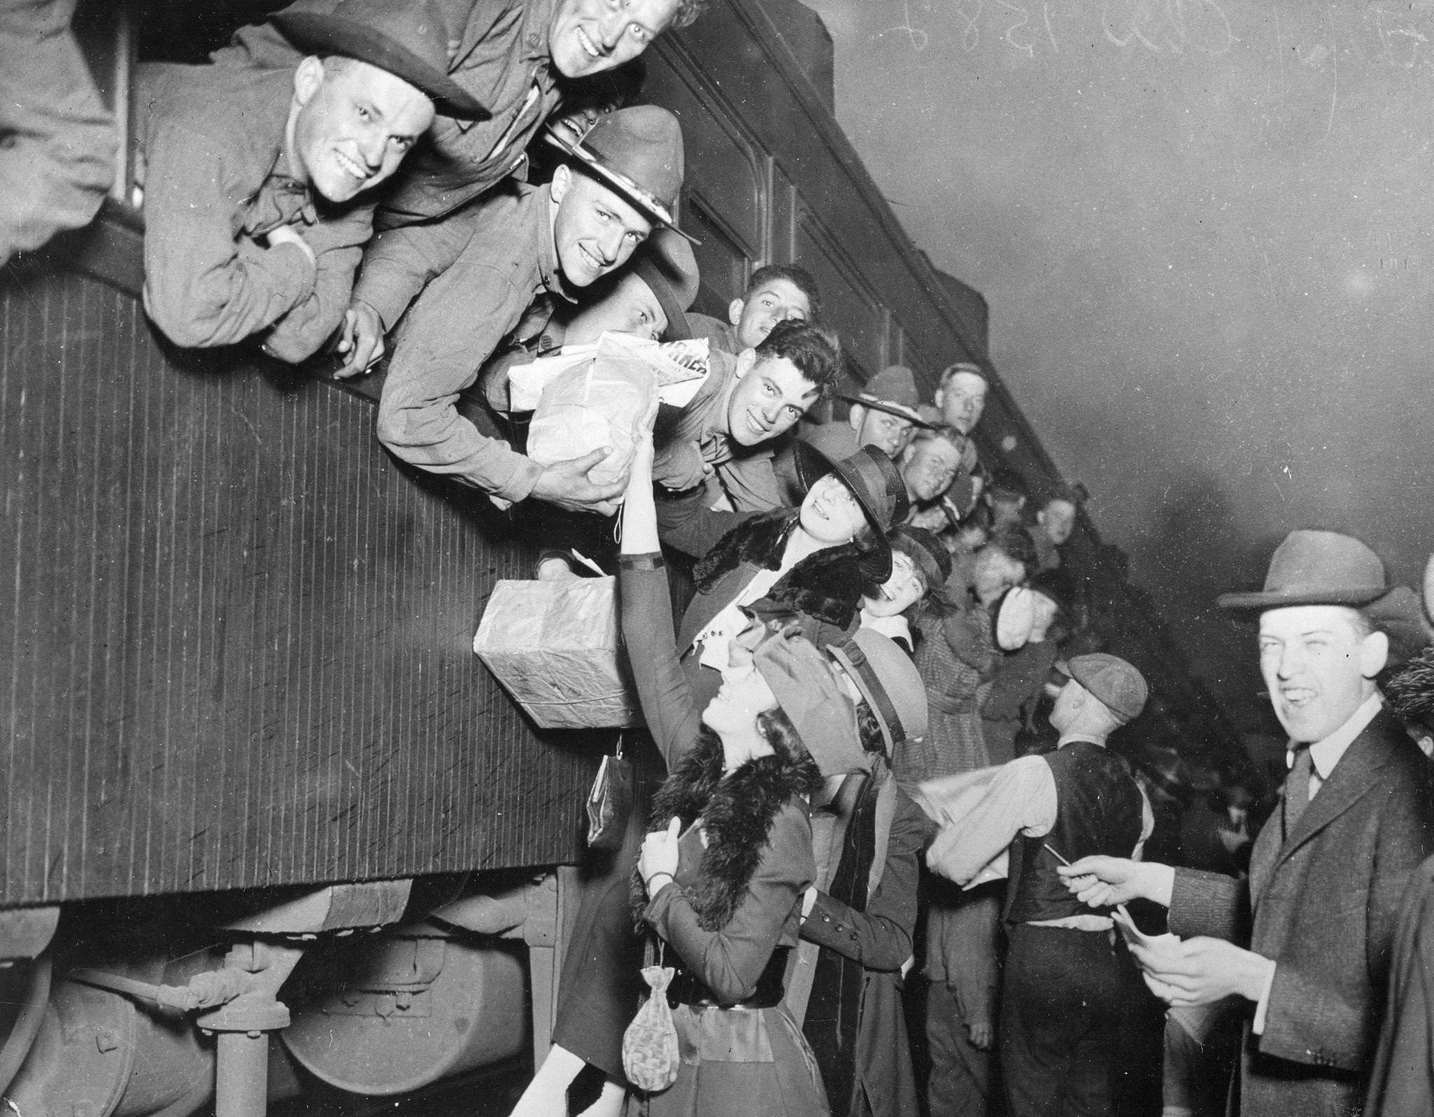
[1297, 788]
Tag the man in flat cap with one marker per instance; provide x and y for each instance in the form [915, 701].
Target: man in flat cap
[1329, 867]
[529, 247]
[256, 182]
[1060, 1003]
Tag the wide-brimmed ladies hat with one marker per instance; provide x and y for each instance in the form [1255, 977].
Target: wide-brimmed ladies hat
[806, 689]
[637, 151]
[874, 481]
[889, 681]
[665, 262]
[407, 38]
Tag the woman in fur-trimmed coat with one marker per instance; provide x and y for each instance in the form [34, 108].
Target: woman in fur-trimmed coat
[811, 563]
[721, 875]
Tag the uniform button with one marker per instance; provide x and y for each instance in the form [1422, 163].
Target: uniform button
[534, 39]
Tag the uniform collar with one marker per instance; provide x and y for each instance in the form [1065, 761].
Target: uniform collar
[548, 268]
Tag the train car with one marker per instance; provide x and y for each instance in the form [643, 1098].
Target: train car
[255, 781]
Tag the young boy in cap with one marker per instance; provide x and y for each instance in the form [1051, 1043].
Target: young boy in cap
[1060, 1003]
[1328, 869]
[531, 246]
[254, 220]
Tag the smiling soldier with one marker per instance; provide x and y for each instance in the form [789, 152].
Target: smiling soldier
[530, 245]
[254, 220]
[718, 449]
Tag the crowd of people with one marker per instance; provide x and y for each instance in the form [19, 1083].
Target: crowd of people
[891, 743]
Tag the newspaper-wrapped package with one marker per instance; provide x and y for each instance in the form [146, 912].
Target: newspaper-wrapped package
[554, 647]
[602, 395]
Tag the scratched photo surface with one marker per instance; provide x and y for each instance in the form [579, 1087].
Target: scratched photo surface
[1204, 230]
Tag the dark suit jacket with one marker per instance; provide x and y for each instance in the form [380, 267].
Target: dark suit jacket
[1403, 1080]
[1325, 901]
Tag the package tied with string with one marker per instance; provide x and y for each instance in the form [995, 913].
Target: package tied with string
[554, 647]
[604, 394]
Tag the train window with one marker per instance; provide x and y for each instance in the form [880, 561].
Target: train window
[847, 298]
[721, 259]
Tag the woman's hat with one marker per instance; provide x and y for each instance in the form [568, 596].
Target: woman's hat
[889, 681]
[806, 689]
[1012, 618]
[665, 262]
[409, 40]
[874, 481]
[638, 152]
[929, 553]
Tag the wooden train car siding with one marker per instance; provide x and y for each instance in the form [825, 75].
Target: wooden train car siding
[238, 636]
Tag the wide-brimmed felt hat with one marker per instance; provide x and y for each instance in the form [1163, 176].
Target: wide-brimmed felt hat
[1317, 568]
[889, 681]
[875, 482]
[807, 691]
[665, 262]
[892, 390]
[1112, 680]
[638, 152]
[407, 38]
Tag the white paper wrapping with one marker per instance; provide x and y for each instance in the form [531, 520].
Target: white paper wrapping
[554, 647]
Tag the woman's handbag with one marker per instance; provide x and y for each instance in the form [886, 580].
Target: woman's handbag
[610, 801]
[649, 1046]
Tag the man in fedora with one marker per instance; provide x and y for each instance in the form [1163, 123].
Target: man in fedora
[527, 247]
[1329, 867]
[1060, 1003]
[257, 182]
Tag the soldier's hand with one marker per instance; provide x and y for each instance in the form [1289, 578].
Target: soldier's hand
[566, 484]
[360, 339]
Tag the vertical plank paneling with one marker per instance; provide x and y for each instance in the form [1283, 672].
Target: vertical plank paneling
[238, 636]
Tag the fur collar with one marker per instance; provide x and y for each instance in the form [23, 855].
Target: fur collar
[827, 585]
[737, 813]
[758, 539]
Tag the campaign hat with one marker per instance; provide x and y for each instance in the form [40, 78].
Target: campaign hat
[892, 390]
[666, 263]
[408, 40]
[636, 151]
